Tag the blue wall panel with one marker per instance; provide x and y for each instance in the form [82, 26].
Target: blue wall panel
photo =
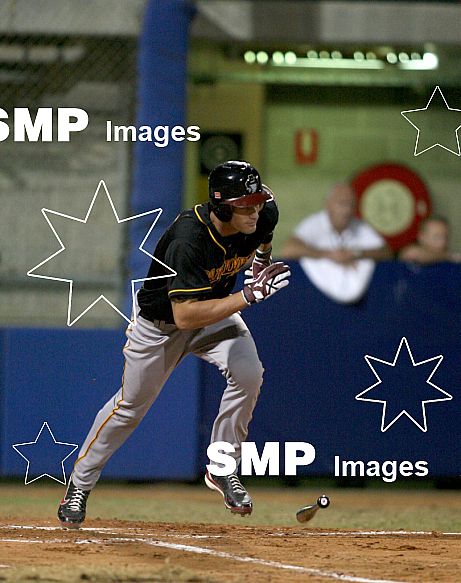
[313, 351]
[161, 101]
[65, 376]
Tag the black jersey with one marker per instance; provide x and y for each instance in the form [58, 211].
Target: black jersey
[205, 262]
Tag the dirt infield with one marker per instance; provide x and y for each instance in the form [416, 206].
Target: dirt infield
[126, 551]
[235, 551]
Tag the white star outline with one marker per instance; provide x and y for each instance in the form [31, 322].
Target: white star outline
[45, 212]
[447, 397]
[16, 445]
[416, 153]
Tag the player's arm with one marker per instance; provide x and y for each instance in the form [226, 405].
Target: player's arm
[267, 221]
[190, 288]
[348, 256]
[417, 254]
[265, 248]
[191, 314]
[378, 254]
[294, 248]
[409, 253]
[261, 259]
[262, 256]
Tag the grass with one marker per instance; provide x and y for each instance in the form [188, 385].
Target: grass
[368, 508]
[131, 574]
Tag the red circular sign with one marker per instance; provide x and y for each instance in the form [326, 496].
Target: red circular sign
[394, 200]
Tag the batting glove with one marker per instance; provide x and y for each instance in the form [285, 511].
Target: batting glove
[261, 260]
[269, 281]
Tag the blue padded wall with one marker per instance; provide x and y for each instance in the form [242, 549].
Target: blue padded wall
[313, 351]
[161, 100]
[65, 376]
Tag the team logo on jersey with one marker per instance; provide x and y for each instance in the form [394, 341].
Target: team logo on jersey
[217, 194]
[228, 268]
[251, 183]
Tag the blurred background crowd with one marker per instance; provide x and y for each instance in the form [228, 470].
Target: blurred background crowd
[309, 91]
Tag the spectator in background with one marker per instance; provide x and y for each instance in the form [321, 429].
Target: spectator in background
[336, 250]
[431, 245]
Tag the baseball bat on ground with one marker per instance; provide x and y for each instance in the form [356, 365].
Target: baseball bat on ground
[308, 512]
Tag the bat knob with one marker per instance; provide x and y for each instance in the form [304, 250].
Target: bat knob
[323, 501]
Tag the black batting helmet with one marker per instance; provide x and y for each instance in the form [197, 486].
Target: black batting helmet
[235, 183]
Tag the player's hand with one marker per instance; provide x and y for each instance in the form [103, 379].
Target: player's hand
[342, 256]
[269, 281]
[261, 260]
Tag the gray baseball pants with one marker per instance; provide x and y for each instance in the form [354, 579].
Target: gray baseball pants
[151, 353]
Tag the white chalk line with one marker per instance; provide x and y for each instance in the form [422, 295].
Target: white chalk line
[212, 552]
[273, 564]
[114, 531]
[333, 533]
[222, 554]
[206, 551]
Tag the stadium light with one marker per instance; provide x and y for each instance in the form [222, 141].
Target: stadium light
[429, 62]
[262, 57]
[336, 60]
[278, 58]
[250, 57]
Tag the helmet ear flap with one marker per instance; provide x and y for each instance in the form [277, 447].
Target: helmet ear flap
[223, 212]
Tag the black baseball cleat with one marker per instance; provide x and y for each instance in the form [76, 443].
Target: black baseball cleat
[236, 498]
[72, 509]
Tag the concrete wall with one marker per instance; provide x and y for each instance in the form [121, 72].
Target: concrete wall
[61, 177]
[352, 137]
[226, 107]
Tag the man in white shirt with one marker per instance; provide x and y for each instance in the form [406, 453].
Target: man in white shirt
[336, 250]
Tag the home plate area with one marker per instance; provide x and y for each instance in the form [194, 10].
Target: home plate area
[129, 551]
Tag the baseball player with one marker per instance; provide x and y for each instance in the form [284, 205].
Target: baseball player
[194, 312]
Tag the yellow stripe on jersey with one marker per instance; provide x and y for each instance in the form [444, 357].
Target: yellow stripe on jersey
[189, 290]
[209, 230]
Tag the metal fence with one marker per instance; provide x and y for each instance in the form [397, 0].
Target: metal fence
[52, 64]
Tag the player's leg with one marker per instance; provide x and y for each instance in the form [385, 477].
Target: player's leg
[150, 354]
[230, 346]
